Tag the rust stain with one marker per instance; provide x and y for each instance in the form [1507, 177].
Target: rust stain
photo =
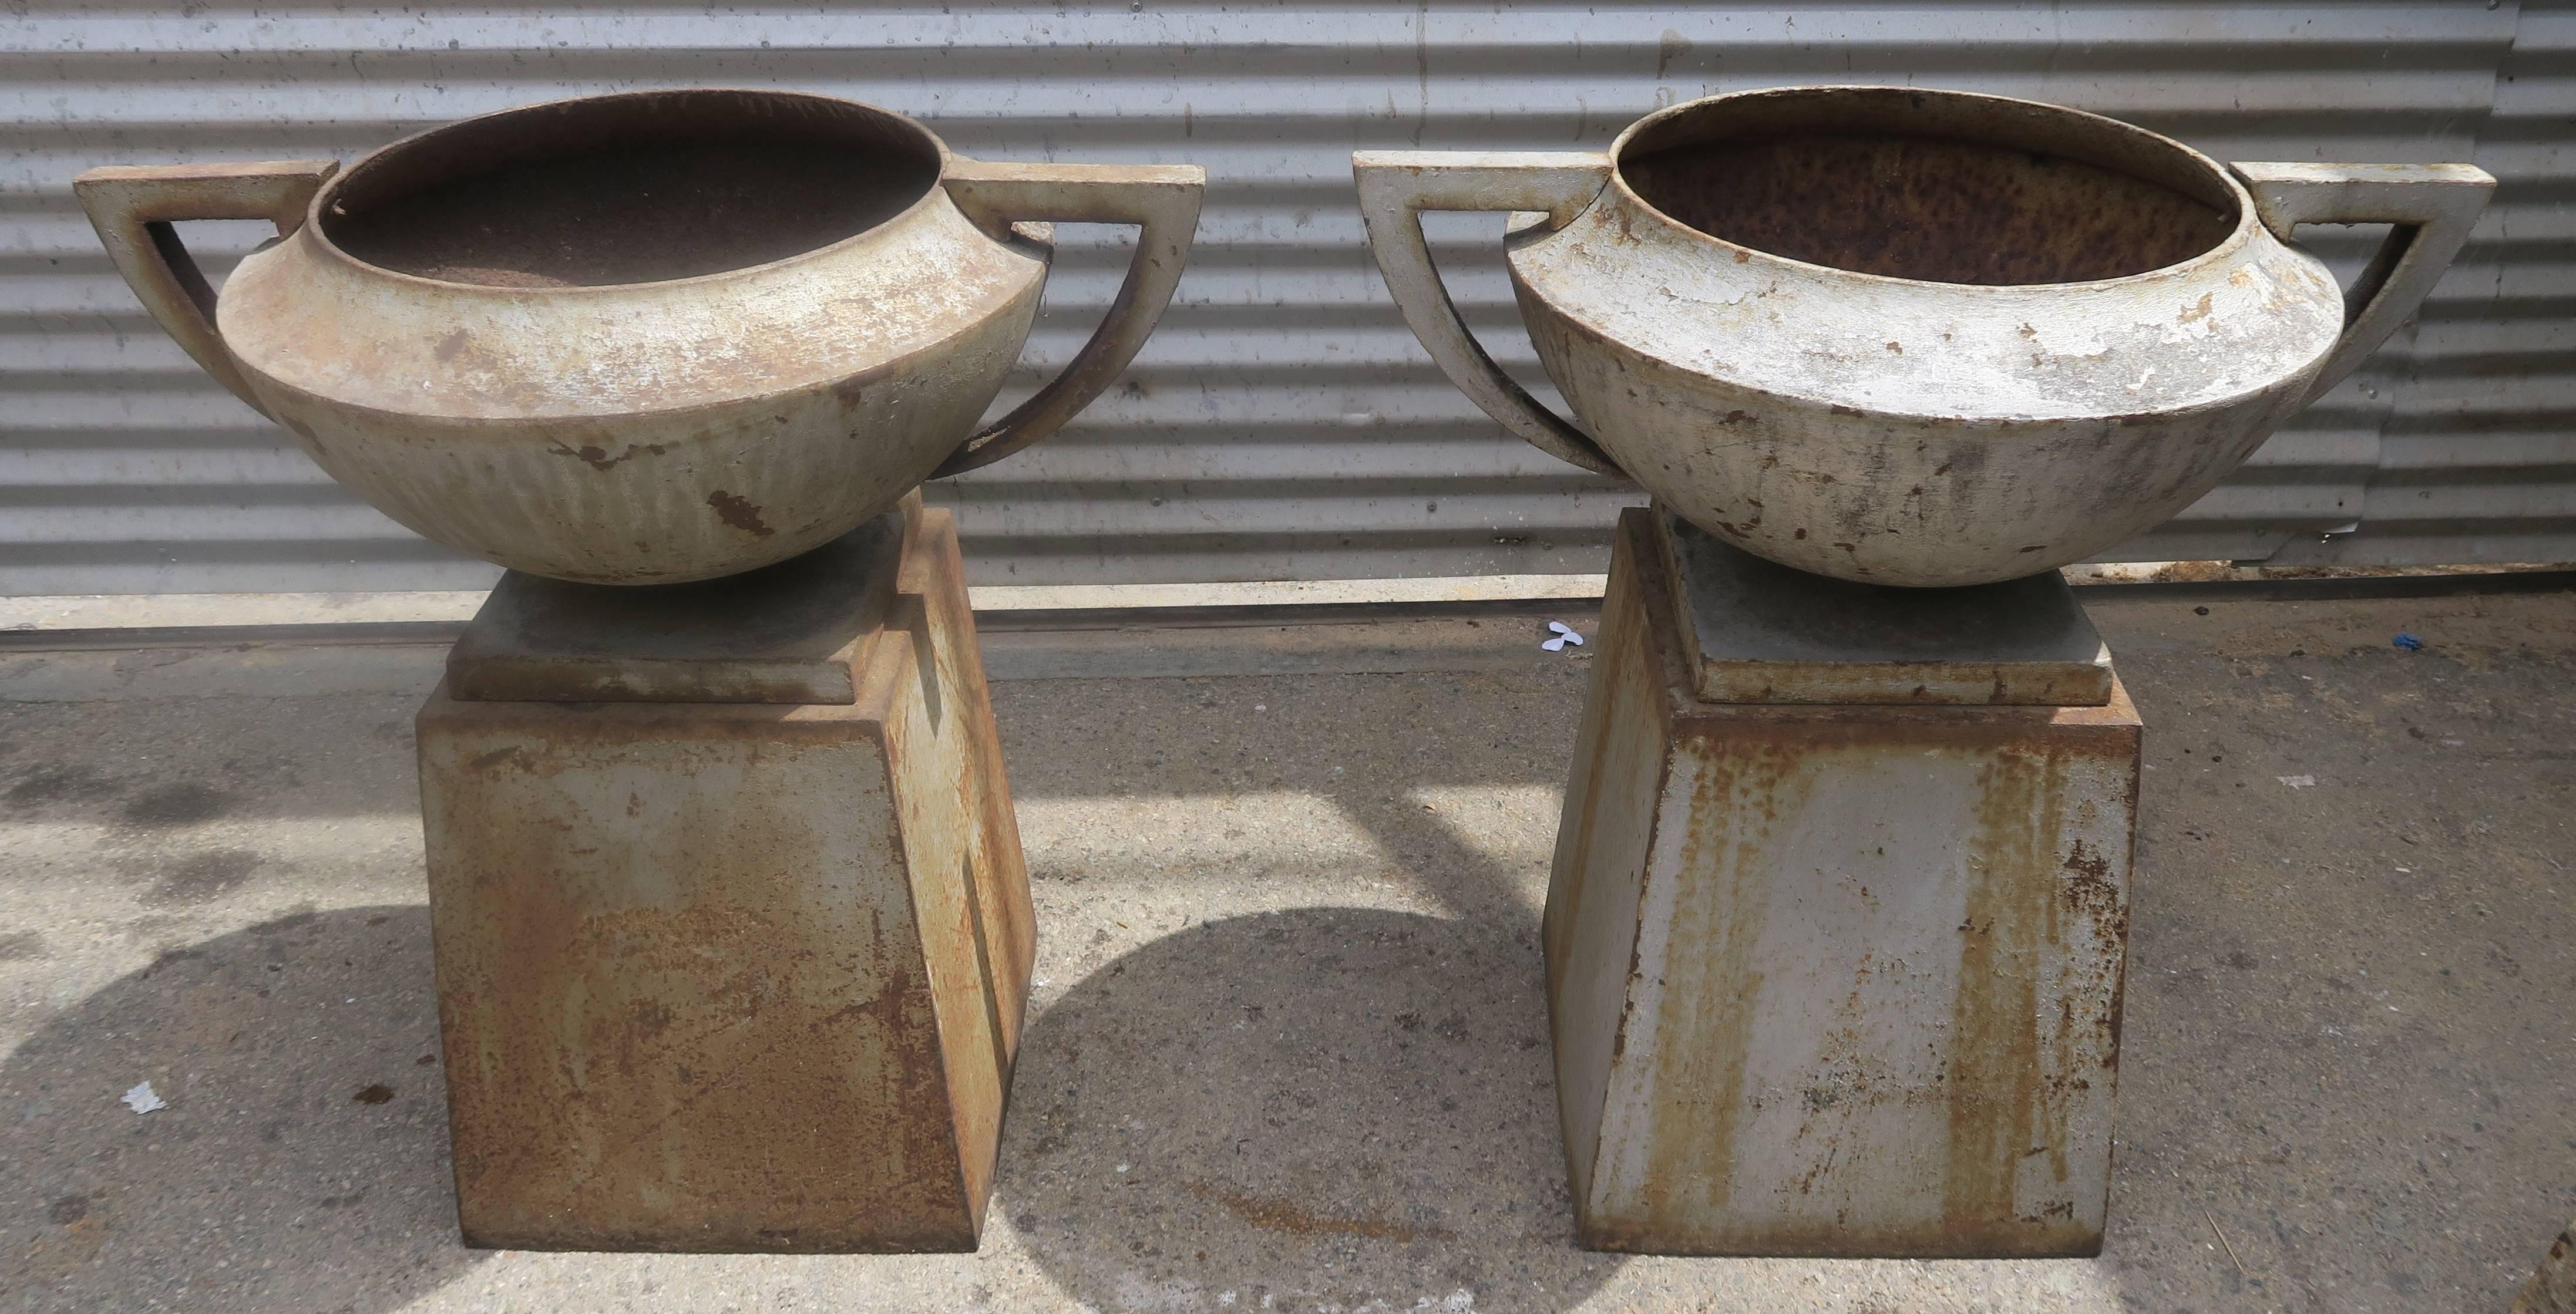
[1750, 783]
[594, 1048]
[1297, 1220]
[1995, 1055]
[2043, 912]
[624, 1070]
[2099, 903]
[82, 1223]
[487, 761]
[597, 458]
[1850, 1238]
[2199, 310]
[2039, 946]
[739, 513]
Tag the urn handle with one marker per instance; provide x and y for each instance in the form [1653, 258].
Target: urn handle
[1162, 200]
[1397, 186]
[2431, 207]
[132, 207]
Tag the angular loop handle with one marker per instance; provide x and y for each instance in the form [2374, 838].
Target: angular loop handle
[132, 207]
[1397, 186]
[2432, 208]
[1162, 200]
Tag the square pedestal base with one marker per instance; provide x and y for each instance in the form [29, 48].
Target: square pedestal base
[728, 976]
[1833, 979]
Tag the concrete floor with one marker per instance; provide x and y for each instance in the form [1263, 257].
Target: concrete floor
[1288, 1049]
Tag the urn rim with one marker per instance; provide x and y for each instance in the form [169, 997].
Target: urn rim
[1665, 127]
[907, 130]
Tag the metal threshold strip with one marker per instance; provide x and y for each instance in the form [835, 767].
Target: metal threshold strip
[1096, 620]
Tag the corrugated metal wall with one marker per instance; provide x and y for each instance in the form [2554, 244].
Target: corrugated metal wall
[2478, 460]
[1282, 423]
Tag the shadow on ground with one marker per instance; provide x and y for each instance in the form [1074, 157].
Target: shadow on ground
[1319, 1107]
[302, 1157]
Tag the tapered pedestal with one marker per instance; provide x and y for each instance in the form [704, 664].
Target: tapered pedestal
[733, 934]
[1834, 966]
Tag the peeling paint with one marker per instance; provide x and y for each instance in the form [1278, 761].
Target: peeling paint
[1872, 962]
[734, 977]
[2035, 264]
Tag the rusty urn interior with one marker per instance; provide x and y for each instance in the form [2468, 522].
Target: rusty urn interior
[1938, 187]
[635, 188]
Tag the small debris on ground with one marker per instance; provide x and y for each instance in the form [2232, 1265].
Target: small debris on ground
[2298, 782]
[142, 1100]
[2408, 642]
[1564, 635]
[375, 1094]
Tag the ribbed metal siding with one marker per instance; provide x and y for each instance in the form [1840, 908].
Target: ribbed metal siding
[2478, 460]
[1282, 423]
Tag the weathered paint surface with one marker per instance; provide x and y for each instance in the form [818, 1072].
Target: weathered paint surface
[1834, 981]
[1754, 631]
[1968, 395]
[1590, 927]
[733, 976]
[789, 633]
[656, 431]
[1281, 394]
[970, 884]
